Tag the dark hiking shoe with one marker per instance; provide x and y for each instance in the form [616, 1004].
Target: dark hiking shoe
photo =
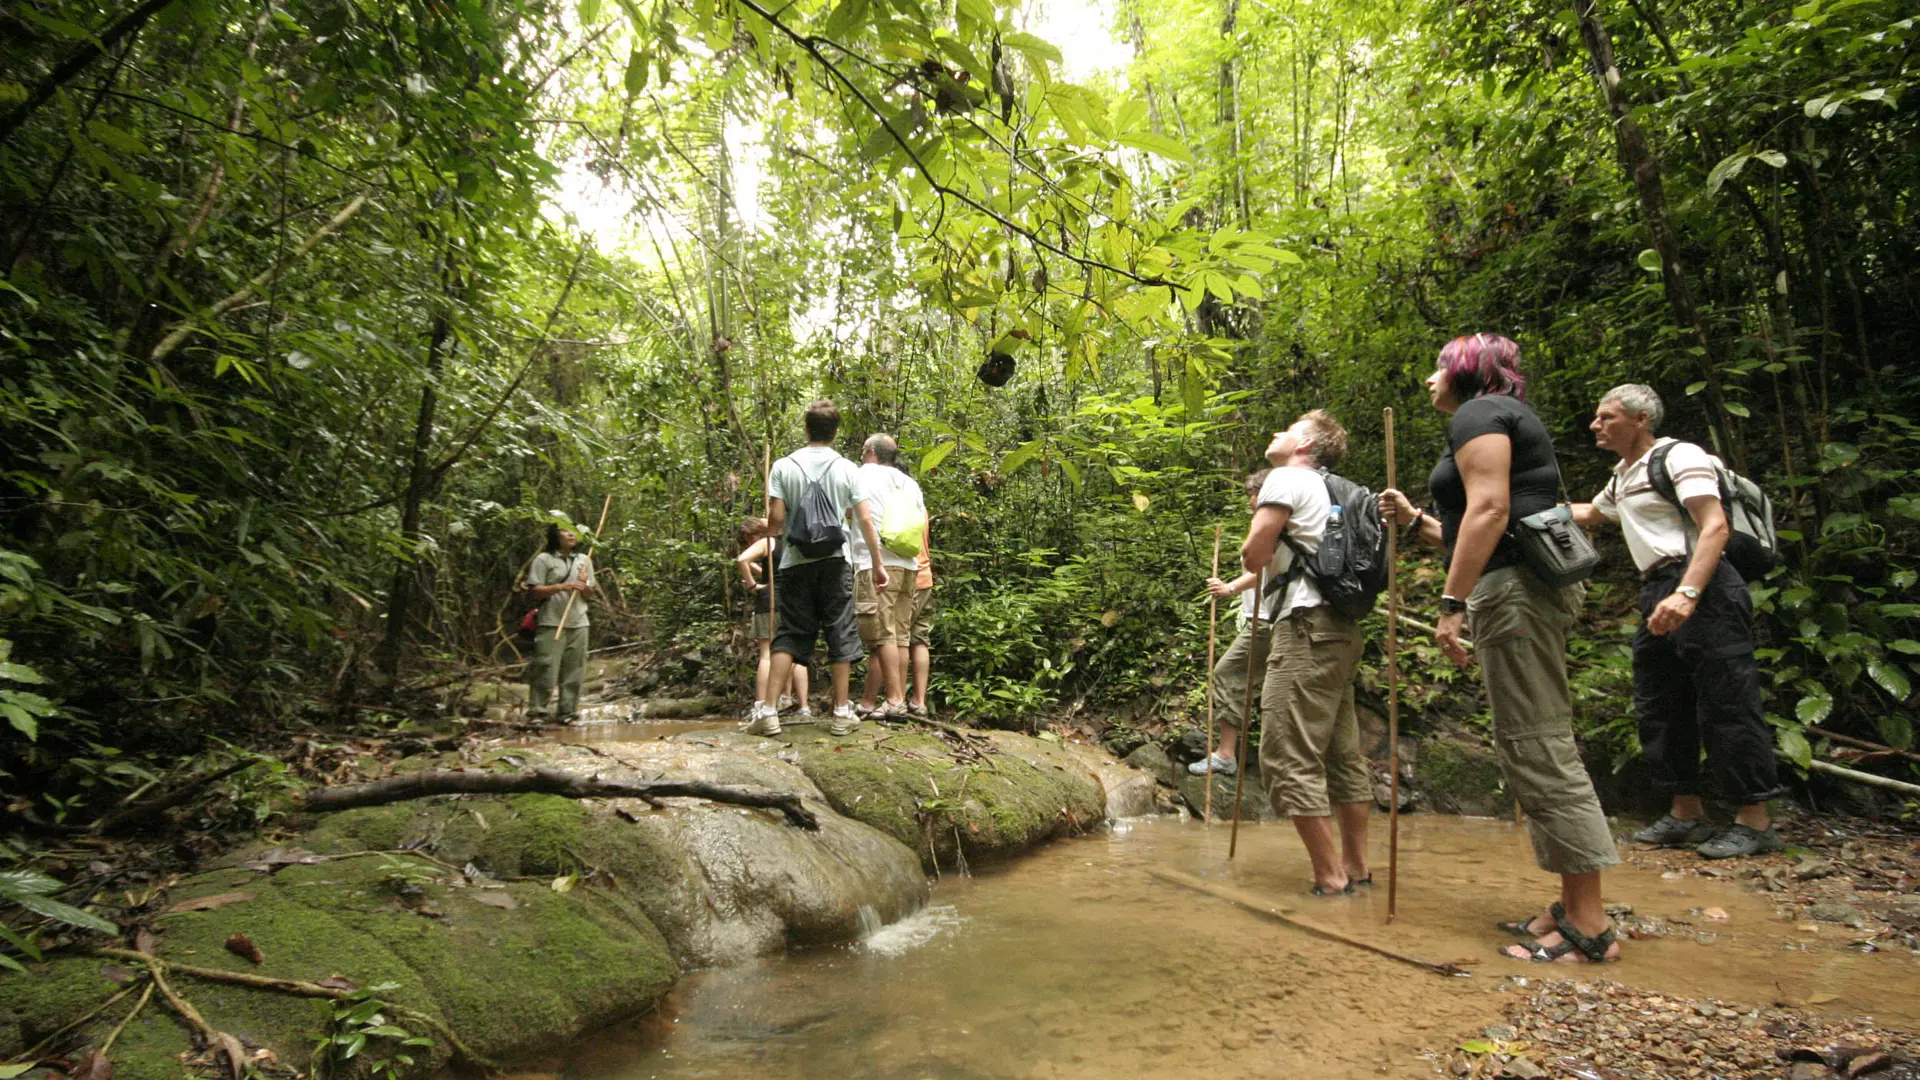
[1737, 840]
[1671, 831]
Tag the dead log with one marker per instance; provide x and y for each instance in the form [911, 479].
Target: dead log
[547, 782]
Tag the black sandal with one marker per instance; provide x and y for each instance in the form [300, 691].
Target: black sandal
[1524, 927]
[1571, 939]
[1322, 890]
[1367, 881]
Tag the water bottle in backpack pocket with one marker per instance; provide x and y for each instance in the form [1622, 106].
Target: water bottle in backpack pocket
[1350, 566]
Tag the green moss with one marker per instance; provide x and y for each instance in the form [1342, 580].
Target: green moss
[912, 787]
[1459, 777]
[369, 828]
[537, 834]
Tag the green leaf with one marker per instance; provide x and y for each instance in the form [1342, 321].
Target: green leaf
[1738, 409]
[1905, 645]
[1814, 708]
[1728, 168]
[1477, 1046]
[1156, 144]
[63, 913]
[1772, 157]
[1019, 457]
[1649, 261]
[8, 1072]
[1896, 731]
[1891, 679]
[15, 882]
[1795, 747]
[1034, 48]
[637, 67]
[937, 455]
[980, 11]
[589, 12]
[1696, 387]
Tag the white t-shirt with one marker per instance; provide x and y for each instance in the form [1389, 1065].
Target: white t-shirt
[1655, 528]
[1304, 493]
[1267, 609]
[835, 473]
[879, 482]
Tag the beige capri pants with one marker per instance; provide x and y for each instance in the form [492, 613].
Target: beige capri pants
[1519, 626]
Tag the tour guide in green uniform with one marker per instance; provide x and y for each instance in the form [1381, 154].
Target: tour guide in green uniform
[556, 574]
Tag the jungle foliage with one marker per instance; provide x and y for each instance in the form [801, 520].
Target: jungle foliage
[313, 311]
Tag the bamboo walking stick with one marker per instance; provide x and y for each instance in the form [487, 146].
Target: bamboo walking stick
[773, 610]
[1213, 628]
[1393, 687]
[572, 596]
[1246, 716]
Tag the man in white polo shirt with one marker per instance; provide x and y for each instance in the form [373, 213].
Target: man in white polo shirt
[1695, 680]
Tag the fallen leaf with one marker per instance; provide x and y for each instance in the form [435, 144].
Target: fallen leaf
[224, 1043]
[504, 901]
[143, 941]
[337, 982]
[8, 1072]
[565, 883]
[242, 946]
[208, 903]
[274, 858]
[94, 1066]
[1714, 913]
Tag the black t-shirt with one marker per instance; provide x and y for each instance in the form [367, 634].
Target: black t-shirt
[1535, 479]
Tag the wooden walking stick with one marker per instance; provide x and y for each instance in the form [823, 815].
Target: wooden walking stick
[1246, 716]
[773, 611]
[1393, 688]
[1213, 628]
[594, 540]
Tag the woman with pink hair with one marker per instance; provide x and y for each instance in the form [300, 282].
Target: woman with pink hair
[1500, 467]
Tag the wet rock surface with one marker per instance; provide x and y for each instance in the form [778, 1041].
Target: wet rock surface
[1602, 1030]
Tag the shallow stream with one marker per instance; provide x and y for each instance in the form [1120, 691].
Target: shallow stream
[1075, 962]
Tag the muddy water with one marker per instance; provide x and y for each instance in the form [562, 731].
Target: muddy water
[1075, 962]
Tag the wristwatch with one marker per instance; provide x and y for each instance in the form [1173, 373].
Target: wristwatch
[1452, 605]
[1689, 592]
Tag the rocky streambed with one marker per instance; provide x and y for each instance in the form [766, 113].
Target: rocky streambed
[497, 927]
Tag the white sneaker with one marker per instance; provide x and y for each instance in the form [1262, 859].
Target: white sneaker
[785, 704]
[843, 721]
[764, 720]
[804, 713]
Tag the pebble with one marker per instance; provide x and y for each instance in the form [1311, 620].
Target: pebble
[1834, 911]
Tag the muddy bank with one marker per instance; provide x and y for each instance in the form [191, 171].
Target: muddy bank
[517, 924]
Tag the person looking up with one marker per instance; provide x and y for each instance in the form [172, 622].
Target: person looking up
[1230, 672]
[821, 492]
[885, 616]
[756, 546]
[1500, 466]
[556, 574]
[1310, 740]
[1695, 679]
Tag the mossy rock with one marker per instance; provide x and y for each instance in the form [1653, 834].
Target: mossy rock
[1459, 777]
[999, 801]
[524, 976]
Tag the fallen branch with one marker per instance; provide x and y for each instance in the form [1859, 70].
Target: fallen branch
[1261, 906]
[295, 987]
[1863, 744]
[547, 782]
[114, 1035]
[1870, 779]
[166, 800]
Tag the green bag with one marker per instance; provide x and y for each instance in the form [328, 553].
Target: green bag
[902, 522]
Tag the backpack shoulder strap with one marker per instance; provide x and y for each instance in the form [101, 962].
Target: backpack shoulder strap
[1658, 476]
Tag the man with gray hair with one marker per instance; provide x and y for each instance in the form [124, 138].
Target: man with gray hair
[1695, 680]
[885, 615]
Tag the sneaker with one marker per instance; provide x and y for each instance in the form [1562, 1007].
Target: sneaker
[785, 704]
[843, 721]
[765, 720]
[1221, 766]
[1736, 840]
[803, 713]
[1671, 831]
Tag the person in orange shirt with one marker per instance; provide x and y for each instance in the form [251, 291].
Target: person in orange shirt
[922, 637]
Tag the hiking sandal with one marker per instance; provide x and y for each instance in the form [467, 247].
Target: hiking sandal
[1321, 890]
[1523, 927]
[1592, 949]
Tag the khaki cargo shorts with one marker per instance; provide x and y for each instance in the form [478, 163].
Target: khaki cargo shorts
[884, 618]
[1310, 737]
[922, 632]
[1519, 626]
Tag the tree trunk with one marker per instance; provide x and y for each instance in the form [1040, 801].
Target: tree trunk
[1643, 168]
[420, 477]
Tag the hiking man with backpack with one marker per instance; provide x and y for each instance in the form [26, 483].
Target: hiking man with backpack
[811, 493]
[1695, 679]
[885, 615]
[1310, 754]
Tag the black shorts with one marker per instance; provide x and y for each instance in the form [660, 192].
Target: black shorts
[816, 598]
